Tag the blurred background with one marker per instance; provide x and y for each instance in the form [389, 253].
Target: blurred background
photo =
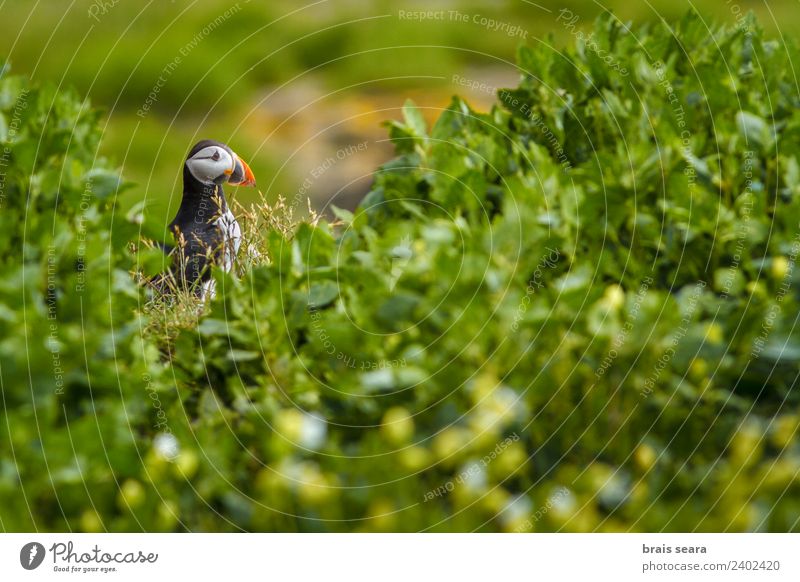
[298, 89]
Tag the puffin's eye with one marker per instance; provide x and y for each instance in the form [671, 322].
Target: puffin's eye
[215, 157]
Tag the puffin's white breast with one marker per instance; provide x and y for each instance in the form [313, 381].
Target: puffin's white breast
[231, 237]
[231, 240]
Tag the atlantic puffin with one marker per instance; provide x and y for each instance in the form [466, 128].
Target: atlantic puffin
[206, 231]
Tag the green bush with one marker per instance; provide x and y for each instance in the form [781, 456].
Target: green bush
[71, 358]
[576, 312]
[599, 273]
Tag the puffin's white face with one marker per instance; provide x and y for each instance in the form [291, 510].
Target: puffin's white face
[210, 164]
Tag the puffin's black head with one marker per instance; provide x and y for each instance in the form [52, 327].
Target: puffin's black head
[212, 162]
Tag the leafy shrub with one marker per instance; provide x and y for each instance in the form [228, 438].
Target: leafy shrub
[598, 273]
[575, 312]
[71, 359]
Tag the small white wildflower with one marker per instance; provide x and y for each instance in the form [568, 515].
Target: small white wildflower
[516, 510]
[166, 445]
[313, 431]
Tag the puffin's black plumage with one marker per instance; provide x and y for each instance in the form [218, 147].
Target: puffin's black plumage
[205, 230]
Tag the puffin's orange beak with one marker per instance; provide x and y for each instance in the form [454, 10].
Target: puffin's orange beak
[241, 175]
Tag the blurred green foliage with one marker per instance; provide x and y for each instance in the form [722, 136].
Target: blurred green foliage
[231, 77]
[574, 312]
[71, 357]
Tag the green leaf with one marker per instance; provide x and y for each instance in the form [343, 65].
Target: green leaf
[322, 294]
[754, 129]
[213, 327]
[414, 119]
[243, 355]
[344, 215]
[104, 183]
